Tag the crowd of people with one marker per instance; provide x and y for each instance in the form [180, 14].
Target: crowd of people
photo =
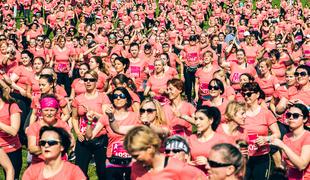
[144, 89]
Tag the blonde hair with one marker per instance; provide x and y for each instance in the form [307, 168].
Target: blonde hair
[232, 108]
[93, 73]
[141, 138]
[160, 118]
[223, 72]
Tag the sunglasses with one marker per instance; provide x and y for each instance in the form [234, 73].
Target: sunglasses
[168, 151]
[122, 96]
[89, 79]
[288, 115]
[302, 74]
[147, 110]
[214, 164]
[247, 94]
[210, 87]
[39, 39]
[49, 142]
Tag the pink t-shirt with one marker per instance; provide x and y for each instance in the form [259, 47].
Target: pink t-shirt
[296, 146]
[79, 86]
[69, 171]
[8, 142]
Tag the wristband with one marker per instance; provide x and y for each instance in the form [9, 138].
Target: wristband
[89, 123]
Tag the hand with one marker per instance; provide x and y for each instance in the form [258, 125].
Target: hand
[90, 115]
[201, 160]
[70, 73]
[277, 142]
[162, 90]
[110, 110]
[152, 94]
[80, 137]
[261, 140]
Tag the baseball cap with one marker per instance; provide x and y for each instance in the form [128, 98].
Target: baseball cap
[177, 142]
[246, 33]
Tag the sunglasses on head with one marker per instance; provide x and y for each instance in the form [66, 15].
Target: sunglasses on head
[247, 94]
[216, 87]
[89, 79]
[288, 115]
[302, 74]
[49, 142]
[168, 151]
[147, 110]
[122, 96]
[214, 164]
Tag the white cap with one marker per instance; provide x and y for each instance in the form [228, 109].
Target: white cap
[246, 33]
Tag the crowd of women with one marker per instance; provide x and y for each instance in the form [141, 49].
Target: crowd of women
[144, 89]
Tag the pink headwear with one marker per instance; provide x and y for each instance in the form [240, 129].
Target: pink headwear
[49, 102]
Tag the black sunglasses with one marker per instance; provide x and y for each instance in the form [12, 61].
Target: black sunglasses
[288, 115]
[210, 87]
[168, 151]
[122, 96]
[49, 142]
[89, 79]
[248, 94]
[214, 164]
[302, 74]
[147, 110]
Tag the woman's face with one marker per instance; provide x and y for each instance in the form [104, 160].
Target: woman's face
[301, 76]
[207, 58]
[90, 82]
[295, 118]
[272, 37]
[25, 59]
[214, 89]
[202, 122]
[216, 173]
[3, 48]
[240, 57]
[215, 41]
[82, 70]
[51, 151]
[37, 65]
[47, 43]
[134, 50]
[45, 86]
[290, 78]
[93, 64]
[119, 67]
[173, 92]
[250, 97]
[49, 115]
[62, 42]
[119, 99]
[244, 79]
[148, 112]
[263, 68]
[240, 117]
[159, 67]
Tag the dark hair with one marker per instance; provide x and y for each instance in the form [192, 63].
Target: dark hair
[218, 83]
[85, 64]
[304, 110]
[278, 174]
[64, 136]
[305, 67]
[231, 155]
[179, 84]
[5, 96]
[254, 87]
[122, 78]
[250, 77]
[49, 79]
[40, 58]
[240, 50]
[212, 113]
[126, 93]
[134, 44]
[91, 35]
[274, 52]
[124, 61]
[102, 66]
[29, 54]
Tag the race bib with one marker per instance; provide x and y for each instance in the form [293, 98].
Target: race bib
[119, 151]
[252, 147]
[192, 57]
[162, 100]
[83, 124]
[135, 71]
[151, 67]
[251, 60]
[62, 67]
[204, 88]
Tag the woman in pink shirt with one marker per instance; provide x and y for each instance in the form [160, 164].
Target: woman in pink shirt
[9, 124]
[54, 143]
[296, 144]
[77, 86]
[96, 64]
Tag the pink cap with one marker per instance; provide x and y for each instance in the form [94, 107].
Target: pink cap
[49, 102]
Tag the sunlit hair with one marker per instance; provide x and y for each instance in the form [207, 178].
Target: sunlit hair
[231, 155]
[267, 61]
[222, 72]
[160, 118]
[232, 108]
[92, 73]
[141, 138]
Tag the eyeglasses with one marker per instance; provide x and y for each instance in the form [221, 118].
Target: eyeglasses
[49, 142]
[89, 79]
[295, 115]
[168, 151]
[248, 94]
[147, 110]
[39, 39]
[302, 74]
[122, 96]
[210, 87]
[214, 164]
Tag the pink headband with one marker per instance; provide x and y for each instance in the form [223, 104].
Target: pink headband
[49, 102]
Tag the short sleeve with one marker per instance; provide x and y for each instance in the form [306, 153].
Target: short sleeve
[14, 109]
[75, 103]
[270, 118]
[104, 120]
